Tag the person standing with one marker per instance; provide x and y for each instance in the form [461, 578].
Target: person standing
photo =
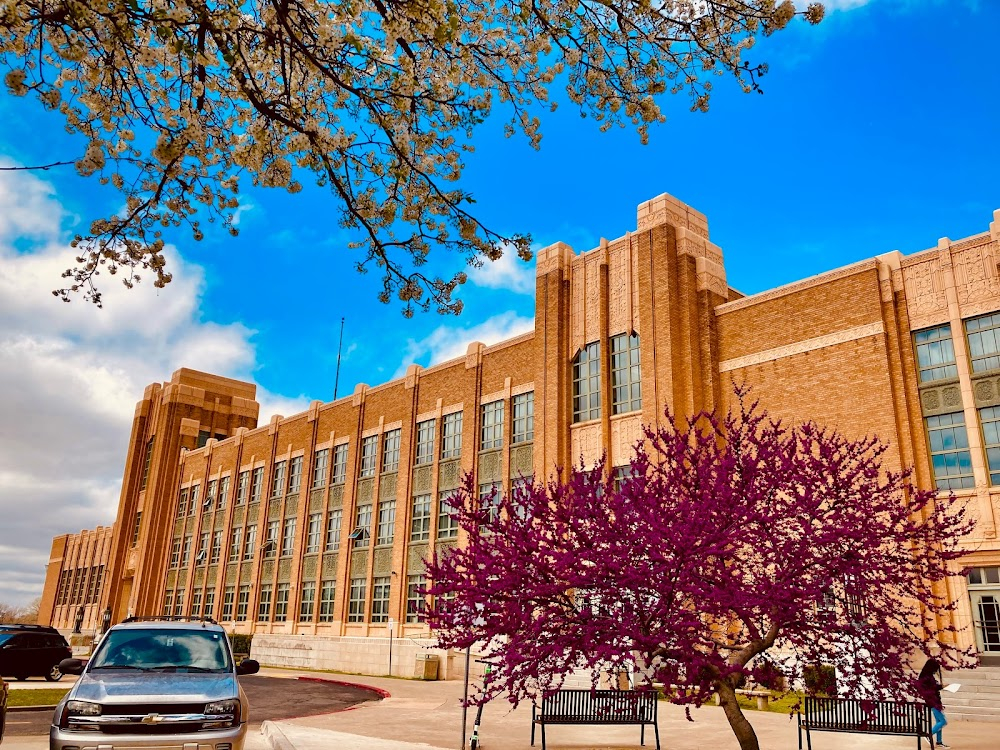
[929, 690]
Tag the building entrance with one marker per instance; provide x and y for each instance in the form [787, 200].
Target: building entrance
[984, 589]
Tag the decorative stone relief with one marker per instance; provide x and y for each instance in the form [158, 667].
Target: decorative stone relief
[252, 513]
[213, 572]
[292, 505]
[449, 475]
[625, 433]
[133, 557]
[179, 527]
[442, 547]
[382, 564]
[337, 496]
[387, 487]
[274, 510]
[522, 461]
[284, 570]
[231, 572]
[577, 310]
[489, 467]
[359, 563]
[976, 278]
[592, 327]
[171, 579]
[309, 566]
[620, 300]
[984, 392]
[267, 569]
[329, 565]
[182, 577]
[415, 558]
[422, 477]
[199, 576]
[220, 521]
[930, 400]
[586, 443]
[800, 347]
[316, 501]
[246, 574]
[366, 490]
[926, 301]
[951, 396]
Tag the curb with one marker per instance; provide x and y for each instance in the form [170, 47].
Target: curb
[29, 709]
[275, 737]
[377, 690]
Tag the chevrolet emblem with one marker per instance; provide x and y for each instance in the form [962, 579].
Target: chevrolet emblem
[152, 719]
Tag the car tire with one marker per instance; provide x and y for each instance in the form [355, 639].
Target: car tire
[21, 677]
[54, 675]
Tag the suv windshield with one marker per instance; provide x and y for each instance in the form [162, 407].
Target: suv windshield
[4, 637]
[163, 649]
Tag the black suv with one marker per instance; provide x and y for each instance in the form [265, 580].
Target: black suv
[30, 650]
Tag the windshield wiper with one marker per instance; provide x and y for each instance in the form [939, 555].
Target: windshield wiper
[185, 667]
[118, 666]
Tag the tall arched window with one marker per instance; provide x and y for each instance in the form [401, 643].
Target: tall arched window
[587, 383]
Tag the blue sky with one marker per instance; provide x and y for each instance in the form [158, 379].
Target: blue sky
[878, 130]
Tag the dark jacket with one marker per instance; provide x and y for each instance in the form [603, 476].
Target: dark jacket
[928, 687]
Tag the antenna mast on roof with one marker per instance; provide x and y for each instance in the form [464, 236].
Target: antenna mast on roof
[340, 346]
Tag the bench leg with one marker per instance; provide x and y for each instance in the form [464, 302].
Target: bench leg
[642, 734]
[533, 731]
[761, 703]
[543, 735]
[656, 730]
[809, 739]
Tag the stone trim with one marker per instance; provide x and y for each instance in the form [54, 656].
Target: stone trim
[800, 347]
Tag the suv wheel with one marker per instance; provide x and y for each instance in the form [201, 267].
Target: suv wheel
[20, 677]
[54, 675]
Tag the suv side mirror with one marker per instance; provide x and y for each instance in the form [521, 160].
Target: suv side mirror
[248, 666]
[71, 666]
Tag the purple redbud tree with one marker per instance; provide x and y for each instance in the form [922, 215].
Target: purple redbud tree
[738, 548]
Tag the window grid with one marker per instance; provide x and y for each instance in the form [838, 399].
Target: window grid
[264, 602]
[989, 419]
[196, 604]
[168, 603]
[587, 383]
[425, 442]
[327, 596]
[257, 486]
[243, 603]
[242, 487]
[333, 523]
[203, 545]
[489, 502]
[380, 599]
[339, 464]
[390, 451]
[451, 435]
[420, 525]
[523, 408]
[236, 544]
[492, 429]
[281, 602]
[223, 492]
[216, 547]
[288, 537]
[147, 462]
[935, 354]
[356, 602]
[386, 522]
[307, 603]
[193, 505]
[249, 543]
[211, 493]
[362, 525]
[626, 377]
[175, 553]
[447, 517]
[415, 604]
[278, 480]
[295, 475]
[179, 604]
[951, 461]
[271, 540]
[313, 533]
[209, 603]
[138, 527]
[182, 501]
[369, 446]
[228, 597]
[984, 342]
[321, 462]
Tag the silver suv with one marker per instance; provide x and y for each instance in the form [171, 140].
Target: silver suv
[155, 684]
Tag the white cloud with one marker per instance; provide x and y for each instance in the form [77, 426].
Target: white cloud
[508, 272]
[447, 342]
[71, 374]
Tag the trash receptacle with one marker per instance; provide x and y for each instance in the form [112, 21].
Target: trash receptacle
[427, 667]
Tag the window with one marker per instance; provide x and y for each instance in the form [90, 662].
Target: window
[369, 446]
[984, 344]
[420, 526]
[175, 553]
[264, 602]
[228, 596]
[168, 603]
[356, 603]
[390, 451]
[950, 459]
[380, 599]
[339, 464]
[386, 521]
[492, 431]
[216, 547]
[182, 502]
[147, 462]
[235, 544]
[249, 543]
[327, 593]
[425, 442]
[489, 502]
[523, 407]
[288, 538]
[196, 604]
[193, 505]
[281, 602]
[138, 526]
[257, 484]
[179, 604]
[203, 438]
[209, 603]
[211, 493]
[314, 530]
[321, 462]
[626, 380]
[295, 475]
[519, 489]
[984, 576]
[619, 475]
[203, 543]
[270, 548]
[935, 354]
[308, 601]
[989, 418]
[451, 435]
[415, 598]
[333, 521]
[447, 519]
[278, 480]
[223, 492]
[242, 487]
[362, 526]
[587, 383]
[243, 602]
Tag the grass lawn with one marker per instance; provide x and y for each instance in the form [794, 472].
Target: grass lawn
[781, 705]
[46, 697]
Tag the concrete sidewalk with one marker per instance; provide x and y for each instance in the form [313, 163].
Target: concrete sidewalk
[428, 715]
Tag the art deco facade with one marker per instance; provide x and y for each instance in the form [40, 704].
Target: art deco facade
[318, 523]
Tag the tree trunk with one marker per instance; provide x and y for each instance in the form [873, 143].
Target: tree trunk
[741, 727]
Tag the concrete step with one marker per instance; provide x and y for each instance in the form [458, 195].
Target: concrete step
[960, 700]
[960, 716]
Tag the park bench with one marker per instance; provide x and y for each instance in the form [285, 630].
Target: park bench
[597, 707]
[762, 696]
[865, 717]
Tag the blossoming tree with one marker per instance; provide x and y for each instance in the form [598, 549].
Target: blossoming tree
[738, 548]
[376, 100]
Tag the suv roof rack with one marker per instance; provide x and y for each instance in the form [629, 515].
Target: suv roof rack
[170, 618]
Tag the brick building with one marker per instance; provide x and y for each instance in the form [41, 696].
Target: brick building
[317, 524]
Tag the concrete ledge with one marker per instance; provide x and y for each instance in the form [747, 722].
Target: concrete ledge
[275, 737]
[382, 694]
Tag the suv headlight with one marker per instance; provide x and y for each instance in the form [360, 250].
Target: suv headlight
[228, 712]
[73, 709]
